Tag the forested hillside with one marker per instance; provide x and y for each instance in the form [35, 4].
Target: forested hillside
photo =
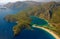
[49, 11]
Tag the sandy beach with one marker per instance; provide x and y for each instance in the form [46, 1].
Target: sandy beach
[49, 31]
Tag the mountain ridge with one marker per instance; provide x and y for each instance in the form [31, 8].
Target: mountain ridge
[19, 5]
[49, 11]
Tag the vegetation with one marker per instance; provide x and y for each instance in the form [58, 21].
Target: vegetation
[55, 21]
[22, 20]
[48, 11]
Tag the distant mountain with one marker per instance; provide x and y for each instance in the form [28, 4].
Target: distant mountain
[43, 10]
[22, 5]
[35, 8]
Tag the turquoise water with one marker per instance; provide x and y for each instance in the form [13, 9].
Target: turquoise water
[38, 21]
[7, 33]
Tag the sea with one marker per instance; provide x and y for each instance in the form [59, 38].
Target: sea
[6, 28]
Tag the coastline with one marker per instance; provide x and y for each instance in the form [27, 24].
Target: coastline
[49, 31]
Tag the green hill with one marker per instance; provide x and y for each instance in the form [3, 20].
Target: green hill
[49, 11]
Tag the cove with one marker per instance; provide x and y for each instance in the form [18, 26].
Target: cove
[7, 33]
[35, 34]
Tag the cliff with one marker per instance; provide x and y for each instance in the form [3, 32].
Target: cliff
[23, 22]
[49, 11]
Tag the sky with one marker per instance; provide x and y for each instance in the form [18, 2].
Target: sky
[6, 1]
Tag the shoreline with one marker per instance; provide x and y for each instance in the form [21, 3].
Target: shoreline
[49, 31]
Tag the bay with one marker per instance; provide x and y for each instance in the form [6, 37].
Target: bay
[6, 29]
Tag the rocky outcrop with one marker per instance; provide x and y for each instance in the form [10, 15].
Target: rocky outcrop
[10, 18]
[23, 22]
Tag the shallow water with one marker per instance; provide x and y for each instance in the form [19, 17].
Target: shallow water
[7, 33]
[38, 21]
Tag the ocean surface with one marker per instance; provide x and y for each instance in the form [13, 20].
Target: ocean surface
[7, 33]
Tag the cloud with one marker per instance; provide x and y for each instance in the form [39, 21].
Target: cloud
[43, 0]
[6, 1]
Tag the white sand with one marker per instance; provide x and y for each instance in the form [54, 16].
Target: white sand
[49, 31]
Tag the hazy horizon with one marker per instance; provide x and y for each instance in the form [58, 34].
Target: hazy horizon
[6, 1]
